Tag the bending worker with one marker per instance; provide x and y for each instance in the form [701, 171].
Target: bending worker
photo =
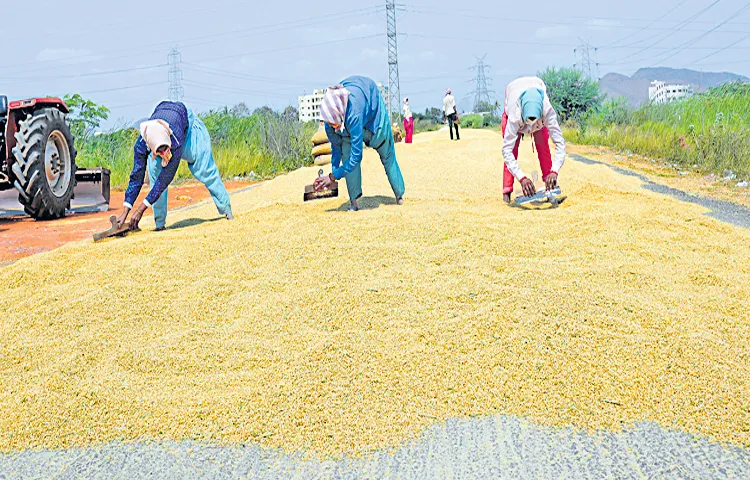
[529, 111]
[355, 114]
[172, 133]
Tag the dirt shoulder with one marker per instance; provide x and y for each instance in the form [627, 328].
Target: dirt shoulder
[711, 186]
[22, 236]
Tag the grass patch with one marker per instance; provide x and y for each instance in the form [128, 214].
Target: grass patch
[710, 131]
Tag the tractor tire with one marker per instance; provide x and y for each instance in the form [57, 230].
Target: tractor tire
[45, 167]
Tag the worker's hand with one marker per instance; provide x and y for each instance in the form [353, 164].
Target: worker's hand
[323, 183]
[551, 181]
[528, 187]
[123, 217]
[136, 218]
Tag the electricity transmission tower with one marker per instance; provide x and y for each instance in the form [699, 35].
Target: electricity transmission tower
[482, 84]
[176, 92]
[394, 88]
[586, 61]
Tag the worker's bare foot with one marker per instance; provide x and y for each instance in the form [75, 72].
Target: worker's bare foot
[230, 216]
[354, 207]
[400, 201]
[506, 197]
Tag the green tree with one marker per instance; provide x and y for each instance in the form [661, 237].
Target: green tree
[85, 115]
[486, 107]
[433, 114]
[291, 113]
[571, 93]
[240, 110]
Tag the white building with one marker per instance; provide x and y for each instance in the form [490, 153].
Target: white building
[660, 92]
[309, 106]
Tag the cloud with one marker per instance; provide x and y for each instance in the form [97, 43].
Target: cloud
[49, 54]
[602, 24]
[554, 32]
[363, 29]
[374, 53]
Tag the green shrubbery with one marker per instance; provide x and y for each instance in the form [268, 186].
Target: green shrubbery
[711, 130]
[572, 94]
[429, 121]
[476, 120]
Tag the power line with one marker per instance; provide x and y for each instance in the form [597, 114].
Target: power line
[722, 49]
[83, 75]
[505, 41]
[679, 4]
[210, 86]
[295, 47]
[117, 89]
[283, 26]
[682, 47]
[436, 76]
[394, 83]
[536, 21]
[176, 92]
[229, 74]
[674, 31]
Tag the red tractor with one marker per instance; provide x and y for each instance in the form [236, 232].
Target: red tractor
[38, 158]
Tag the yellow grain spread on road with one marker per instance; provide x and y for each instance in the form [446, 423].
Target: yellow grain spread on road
[306, 327]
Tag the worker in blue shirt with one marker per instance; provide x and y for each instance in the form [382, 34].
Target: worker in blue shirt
[171, 134]
[355, 114]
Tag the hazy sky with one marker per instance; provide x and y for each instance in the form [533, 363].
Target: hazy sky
[269, 52]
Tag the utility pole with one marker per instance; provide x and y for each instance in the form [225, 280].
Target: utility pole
[176, 92]
[482, 84]
[586, 60]
[394, 88]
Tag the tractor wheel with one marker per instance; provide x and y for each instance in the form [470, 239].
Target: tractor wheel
[45, 167]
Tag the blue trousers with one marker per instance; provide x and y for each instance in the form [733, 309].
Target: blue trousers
[382, 141]
[199, 157]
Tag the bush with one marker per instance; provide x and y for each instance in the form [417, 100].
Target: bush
[572, 94]
[711, 130]
[475, 120]
[423, 125]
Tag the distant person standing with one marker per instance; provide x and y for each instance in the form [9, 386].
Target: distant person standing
[451, 113]
[408, 122]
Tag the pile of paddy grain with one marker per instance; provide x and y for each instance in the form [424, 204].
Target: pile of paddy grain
[305, 327]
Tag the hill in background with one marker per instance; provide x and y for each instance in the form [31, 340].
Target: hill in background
[635, 88]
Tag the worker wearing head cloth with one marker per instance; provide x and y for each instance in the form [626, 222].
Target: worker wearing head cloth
[355, 115]
[173, 133]
[529, 111]
[408, 122]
